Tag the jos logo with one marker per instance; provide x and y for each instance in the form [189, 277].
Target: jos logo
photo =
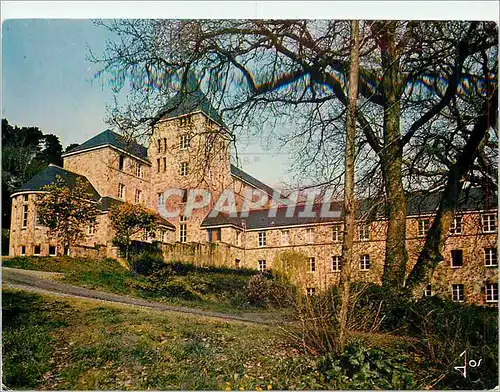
[471, 364]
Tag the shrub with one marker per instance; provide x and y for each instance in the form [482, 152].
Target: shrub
[262, 290]
[362, 368]
[257, 290]
[146, 263]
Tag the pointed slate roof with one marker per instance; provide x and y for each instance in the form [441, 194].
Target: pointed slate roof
[188, 100]
[48, 176]
[110, 138]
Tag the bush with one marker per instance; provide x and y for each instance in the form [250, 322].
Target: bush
[362, 368]
[442, 329]
[146, 263]
[5, 242]
[262, 290]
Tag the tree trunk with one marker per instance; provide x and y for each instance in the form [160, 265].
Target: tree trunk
[431, 254]
[349, 198]
[391, 161]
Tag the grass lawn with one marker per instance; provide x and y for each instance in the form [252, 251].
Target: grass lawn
[217, 289]
[79, 344]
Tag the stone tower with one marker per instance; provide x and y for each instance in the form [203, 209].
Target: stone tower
[189, 149]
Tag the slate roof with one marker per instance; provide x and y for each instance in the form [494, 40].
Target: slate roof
[108, 137]
[48, 176]
[260, 219]
[190, 99]
[418, 204]
[237, 172]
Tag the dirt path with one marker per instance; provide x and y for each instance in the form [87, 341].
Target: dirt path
[42, 282]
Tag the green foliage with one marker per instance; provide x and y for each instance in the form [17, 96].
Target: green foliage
[129, 219]
[443, 330]
[66, 210]
[362, 368]
[25, 152]
[5, 241]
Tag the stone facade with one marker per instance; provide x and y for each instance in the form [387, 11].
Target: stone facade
[192, 151]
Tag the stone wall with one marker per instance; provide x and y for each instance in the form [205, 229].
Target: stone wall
[101, 167]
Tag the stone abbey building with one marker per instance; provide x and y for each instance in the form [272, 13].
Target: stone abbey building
[189, 148]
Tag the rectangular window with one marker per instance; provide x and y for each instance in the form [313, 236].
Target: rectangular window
[159, 145]
[160, 199]
[165, 144]
[428, 290]
[91, 230]
[336, 263]
[182, 218]
[184, 195]
[185, 141]
[37, 219]
[37, 250]
[457, 292]
[312, 264]
[310, 235]
[262, 265]
[121, 162]
[457, 258]
[310, 291]
[25, 198]
[490, 257]
[121, 191]
[25, 216]
[184, 169]
[491, 290]
[364, 264]
[238, 238]
[456, 226]
[23, 250]
[214, 235]
[285, 237]
[237, 263]
[158, 164]
[182, 232]
[364, 232]
[336, 233]
[262, 239]
[138, 195]
[138, 169]
[423, 227]
[52, 250]
[489, 223]
[164, 164]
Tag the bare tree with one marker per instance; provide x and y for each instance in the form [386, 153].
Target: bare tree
[258, 72]
[349, 194]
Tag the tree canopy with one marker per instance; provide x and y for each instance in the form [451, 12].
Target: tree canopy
[426, 93]
[66, 211]
[25, 151]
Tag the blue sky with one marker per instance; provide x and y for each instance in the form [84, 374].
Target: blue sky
[48, 82]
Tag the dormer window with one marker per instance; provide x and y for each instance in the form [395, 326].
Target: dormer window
[185, 120]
